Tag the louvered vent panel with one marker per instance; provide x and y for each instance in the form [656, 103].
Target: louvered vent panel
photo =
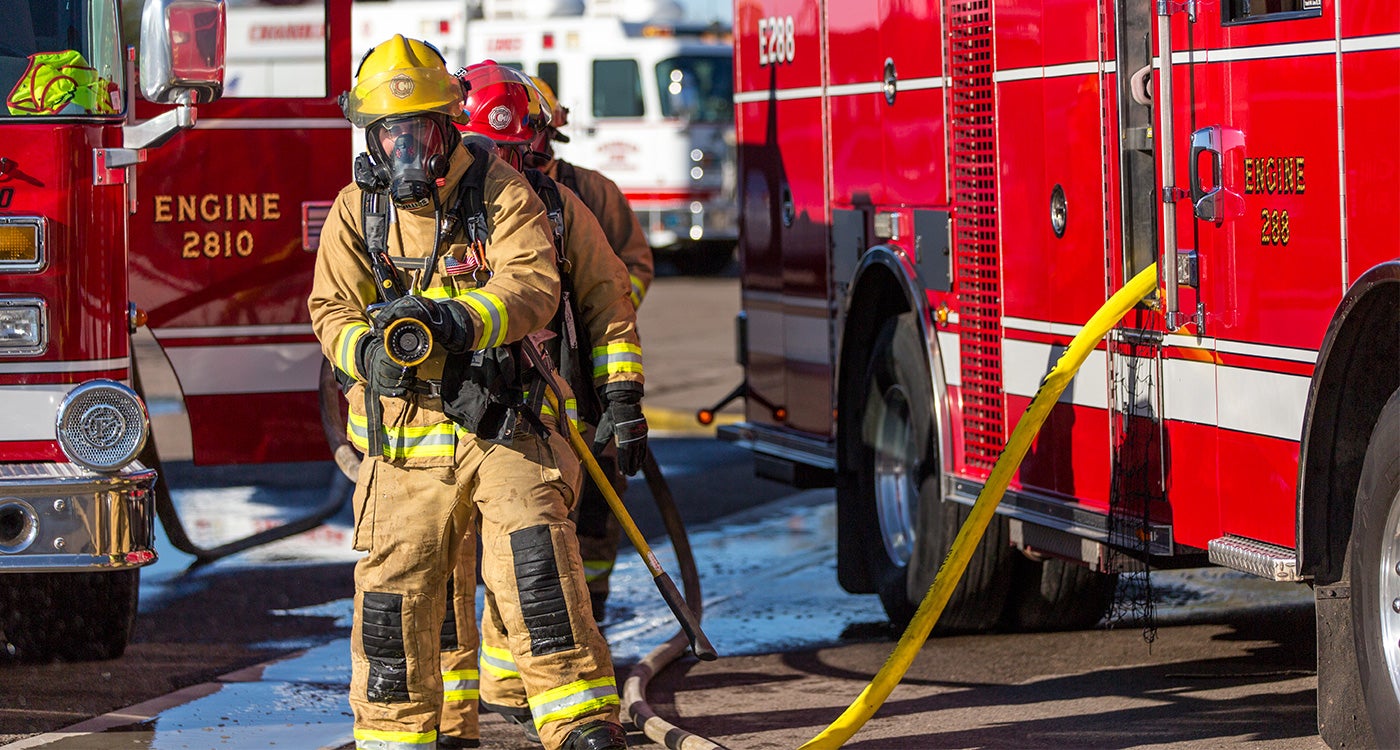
[975, 228]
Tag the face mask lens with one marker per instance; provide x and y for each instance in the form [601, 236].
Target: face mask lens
[408, 142]
[408, 148]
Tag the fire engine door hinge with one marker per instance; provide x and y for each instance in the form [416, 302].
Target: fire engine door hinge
[1187, 268]
[114, 166]
[109, 164]
[1172, 7]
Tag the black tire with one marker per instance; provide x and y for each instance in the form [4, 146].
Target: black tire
[68, 616]
[905, 527]
[1375, 577]
[1058, 595]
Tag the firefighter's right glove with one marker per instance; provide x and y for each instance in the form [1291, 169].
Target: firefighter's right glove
[625, 424]
[383, 376]
[448, 321]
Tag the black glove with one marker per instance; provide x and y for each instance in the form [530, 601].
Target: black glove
[384, 376]
[624, 422]
[449, 322]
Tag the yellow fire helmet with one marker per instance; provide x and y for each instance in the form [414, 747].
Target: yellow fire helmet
[398, 77]
[559, 114]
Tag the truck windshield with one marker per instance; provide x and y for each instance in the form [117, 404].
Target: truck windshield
[698, 88]
[60, 59]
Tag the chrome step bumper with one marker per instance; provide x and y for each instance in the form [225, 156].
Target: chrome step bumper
[1254, 557]
[62, 517]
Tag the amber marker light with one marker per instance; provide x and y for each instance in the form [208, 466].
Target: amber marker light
[705, 417]
[19, 244]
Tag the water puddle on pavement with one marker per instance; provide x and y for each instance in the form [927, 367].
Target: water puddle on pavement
[769, 583]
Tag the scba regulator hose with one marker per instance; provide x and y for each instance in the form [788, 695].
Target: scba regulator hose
[970, 534]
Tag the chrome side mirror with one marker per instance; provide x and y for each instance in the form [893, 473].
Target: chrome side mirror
[182, 51]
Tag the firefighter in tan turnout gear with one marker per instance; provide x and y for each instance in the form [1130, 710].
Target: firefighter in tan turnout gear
[602, 196]
[595, 345]
[453, 442]
[599, 532]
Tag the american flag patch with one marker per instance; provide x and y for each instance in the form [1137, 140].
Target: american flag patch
[453, 267]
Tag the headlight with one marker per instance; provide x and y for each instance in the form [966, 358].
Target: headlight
[102, 425]
[23, 326]
[21, 243]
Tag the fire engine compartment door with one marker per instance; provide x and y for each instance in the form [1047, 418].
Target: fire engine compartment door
[1256, 125]
[218, 258]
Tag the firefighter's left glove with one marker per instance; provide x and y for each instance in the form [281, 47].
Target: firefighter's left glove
[448, 321]
[625, 424]
[383, 376]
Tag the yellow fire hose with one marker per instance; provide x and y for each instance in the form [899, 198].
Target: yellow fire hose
[874, 695]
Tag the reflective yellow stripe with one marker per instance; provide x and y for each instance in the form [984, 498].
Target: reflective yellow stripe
[575, 699]
[570, 407]
[595, 569]
[422, 441]
[615, 358]
[347, 341]
[639, 290]
[442, 292]
[395, 740]
[494, 319]
[498, 662]
[460, 685]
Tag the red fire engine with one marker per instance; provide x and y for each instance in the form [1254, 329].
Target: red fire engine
[104, 226]
[936, 194]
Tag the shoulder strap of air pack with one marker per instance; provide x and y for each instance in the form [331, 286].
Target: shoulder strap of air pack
[548, 192]
[471, 196]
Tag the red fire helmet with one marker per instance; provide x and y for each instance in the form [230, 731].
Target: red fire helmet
[497, 104]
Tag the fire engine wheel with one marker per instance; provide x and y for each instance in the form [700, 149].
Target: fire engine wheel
[1375, 575]
[68, 616]
[1058, 595]
[908, 529]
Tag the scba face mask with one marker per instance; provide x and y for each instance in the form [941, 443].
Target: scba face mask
[411, 154]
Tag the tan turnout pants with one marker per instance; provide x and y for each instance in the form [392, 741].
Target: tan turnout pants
[500, 687]
[413, 522]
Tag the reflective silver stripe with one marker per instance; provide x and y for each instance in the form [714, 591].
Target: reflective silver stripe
[615, 358]
[498, 662]
[460, 685]
[494, 319]
[406, 442]
[573, 700]
[639, 290]
[345, 350]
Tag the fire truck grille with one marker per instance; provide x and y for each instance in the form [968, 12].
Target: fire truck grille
[975, 229]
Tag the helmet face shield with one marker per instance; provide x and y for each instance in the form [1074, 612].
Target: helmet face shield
[414, 150]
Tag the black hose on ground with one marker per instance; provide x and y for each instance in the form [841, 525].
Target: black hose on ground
[336, 497]
[634, 705]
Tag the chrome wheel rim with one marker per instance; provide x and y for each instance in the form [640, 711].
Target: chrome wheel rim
[1390, 593]
[896, 466]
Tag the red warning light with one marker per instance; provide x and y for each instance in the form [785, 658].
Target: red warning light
[548, 40]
